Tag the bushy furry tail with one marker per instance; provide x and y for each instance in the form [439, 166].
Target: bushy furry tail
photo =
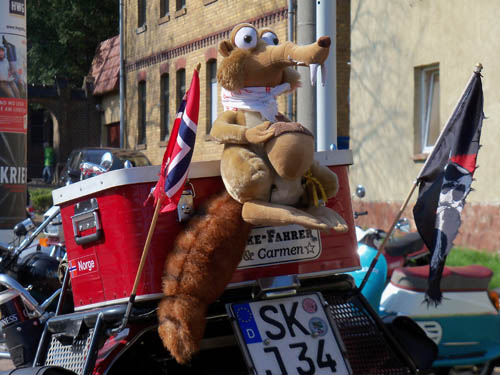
[197, 270]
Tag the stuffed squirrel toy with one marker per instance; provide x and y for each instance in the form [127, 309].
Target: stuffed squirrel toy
[266, 157]
[263, 165]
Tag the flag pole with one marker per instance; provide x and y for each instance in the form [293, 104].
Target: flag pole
[145, 251]
[138, 275]
[477, 70]
[386, 238]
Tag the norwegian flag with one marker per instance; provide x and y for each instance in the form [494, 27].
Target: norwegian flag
[177, 157]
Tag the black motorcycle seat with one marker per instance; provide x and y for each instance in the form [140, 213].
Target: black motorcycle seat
[407, 244]
[454, 279]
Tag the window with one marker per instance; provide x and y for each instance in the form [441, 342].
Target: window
[164, 6]
[427, 107]
[180, 4]
[113, 136]
[142, 113]
[180, 85]
[141, 13]
[165, 109]
[211, 92]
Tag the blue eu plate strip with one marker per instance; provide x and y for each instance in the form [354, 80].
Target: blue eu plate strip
[247, 323]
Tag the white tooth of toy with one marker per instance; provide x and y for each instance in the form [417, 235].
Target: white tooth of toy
[313, 70]
[324, 73]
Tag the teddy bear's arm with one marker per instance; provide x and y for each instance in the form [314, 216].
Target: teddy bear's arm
[225, 129]
[230, 127]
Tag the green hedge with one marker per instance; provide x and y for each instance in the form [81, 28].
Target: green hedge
[41, 199]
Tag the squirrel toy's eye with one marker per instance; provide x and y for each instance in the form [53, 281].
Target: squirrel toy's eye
[246, 38]
[270, 38]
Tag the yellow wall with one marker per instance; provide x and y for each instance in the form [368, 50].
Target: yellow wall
[388, 39]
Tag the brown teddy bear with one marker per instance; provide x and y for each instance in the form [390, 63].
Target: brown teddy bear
[265, 156]
[263, 165]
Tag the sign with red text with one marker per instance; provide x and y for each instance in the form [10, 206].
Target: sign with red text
[276, 245]
[13, 112]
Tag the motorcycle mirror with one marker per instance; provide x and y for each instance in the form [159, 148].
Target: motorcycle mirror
[403, 225]
[89, 169]
[106, 160]
[360, 191]
[22, 228]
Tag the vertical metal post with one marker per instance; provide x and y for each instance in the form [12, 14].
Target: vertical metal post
[43, 344]
[306, 95]
[94, 346]
[122, 80]
[291, 12]
[326, 108]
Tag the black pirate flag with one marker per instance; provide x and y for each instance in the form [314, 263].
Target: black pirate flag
[445, 181]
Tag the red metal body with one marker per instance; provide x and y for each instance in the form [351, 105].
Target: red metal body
[103, 271]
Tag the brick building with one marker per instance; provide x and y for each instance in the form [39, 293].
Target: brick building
[164, 41]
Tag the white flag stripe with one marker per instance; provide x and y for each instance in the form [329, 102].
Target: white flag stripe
[185, 148]
[171, 192]
[190, 123]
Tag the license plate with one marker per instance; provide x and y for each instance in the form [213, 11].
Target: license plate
[292, 335]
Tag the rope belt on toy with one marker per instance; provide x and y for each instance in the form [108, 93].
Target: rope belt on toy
[313, 185]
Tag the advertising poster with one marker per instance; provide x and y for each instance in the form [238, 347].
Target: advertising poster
[13, 112]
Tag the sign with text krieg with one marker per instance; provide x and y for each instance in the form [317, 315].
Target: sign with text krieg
[13, 112]
[273, 245]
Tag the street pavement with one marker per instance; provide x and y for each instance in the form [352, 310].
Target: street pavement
[6, 364]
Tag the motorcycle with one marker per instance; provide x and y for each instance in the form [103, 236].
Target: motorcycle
[30, 284]
[464, 325]
[32, 276]
[289, 307]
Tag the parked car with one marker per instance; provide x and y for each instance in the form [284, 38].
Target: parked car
[71, 171]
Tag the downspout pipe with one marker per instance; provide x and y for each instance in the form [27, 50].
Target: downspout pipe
[291, 12]
[122, 79]
[326, 100]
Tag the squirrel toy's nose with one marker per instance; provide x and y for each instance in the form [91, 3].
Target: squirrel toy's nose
[324, 41]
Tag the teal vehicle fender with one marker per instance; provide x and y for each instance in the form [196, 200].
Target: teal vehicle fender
[375, 285]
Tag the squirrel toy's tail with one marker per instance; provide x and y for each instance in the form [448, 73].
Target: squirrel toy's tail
[197, 270]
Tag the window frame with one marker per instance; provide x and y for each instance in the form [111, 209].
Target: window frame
[141, 13]
[141, 112]
[179, 94]
[212, 97]
[165, 106]
[425, 105]
[164, 8]
[179, 5]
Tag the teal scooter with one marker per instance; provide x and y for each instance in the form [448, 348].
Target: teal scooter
[465, 326]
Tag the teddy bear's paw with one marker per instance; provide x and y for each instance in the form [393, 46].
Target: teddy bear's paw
[272, 214]
[331, 218]
[260, 133]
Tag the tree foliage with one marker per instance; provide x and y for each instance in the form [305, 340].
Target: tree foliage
[63, 35]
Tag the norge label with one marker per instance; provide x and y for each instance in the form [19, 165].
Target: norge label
[271, 245]
[82, 266]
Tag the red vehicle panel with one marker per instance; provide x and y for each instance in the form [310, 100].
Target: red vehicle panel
[103, 269]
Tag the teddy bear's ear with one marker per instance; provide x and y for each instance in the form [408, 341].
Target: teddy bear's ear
[225, 48]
